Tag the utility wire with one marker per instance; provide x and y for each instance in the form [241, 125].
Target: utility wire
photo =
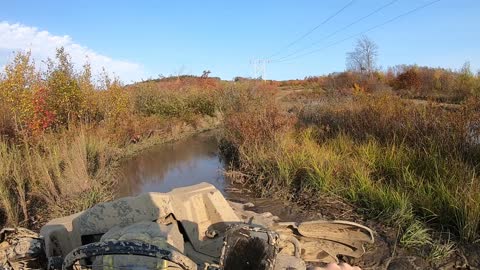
[361, 33]
[339, 30]
[313, 29]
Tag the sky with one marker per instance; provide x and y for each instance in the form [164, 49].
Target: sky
[141, 39]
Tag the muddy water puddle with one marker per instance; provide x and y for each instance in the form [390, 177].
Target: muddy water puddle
[182, 163]
[187, 162]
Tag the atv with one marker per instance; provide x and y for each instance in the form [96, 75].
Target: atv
[187, 228]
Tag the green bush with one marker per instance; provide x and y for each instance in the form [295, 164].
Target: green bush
[149, 101]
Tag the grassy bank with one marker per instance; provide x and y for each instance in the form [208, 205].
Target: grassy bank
[411, 166]
[62, 132]
[68, 172]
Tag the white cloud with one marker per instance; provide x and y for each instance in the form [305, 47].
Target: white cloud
[42, 44]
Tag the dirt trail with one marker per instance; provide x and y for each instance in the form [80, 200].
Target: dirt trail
[285, 92]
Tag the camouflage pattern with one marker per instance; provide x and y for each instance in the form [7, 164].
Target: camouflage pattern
[200, 208]
[20, 249]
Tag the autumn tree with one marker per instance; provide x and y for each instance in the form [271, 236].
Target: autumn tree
[64, 97]
[364, 56]
[17, 83]
[408, 80]
[466, 79]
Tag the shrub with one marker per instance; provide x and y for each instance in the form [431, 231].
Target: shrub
[42, 117]
[257, 124]
[64, 96]
[408, 80]
[391, 119]
[17, 83]
[180, 101]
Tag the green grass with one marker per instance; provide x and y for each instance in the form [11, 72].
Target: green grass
[416, 235]
[439, 251]
[416, 175]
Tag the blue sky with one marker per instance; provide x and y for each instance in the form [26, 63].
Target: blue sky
[141, 39]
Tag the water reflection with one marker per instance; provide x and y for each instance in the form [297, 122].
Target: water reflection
[183, 163]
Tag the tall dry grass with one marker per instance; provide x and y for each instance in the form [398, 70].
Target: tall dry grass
[52, 176]
[400, 162]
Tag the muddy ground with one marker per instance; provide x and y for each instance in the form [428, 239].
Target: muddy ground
[385, 253]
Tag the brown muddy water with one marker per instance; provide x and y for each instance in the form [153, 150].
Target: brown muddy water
[187, 162]
[181, 163]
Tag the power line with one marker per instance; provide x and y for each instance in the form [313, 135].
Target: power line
[363, 32]
[313, 29]
[339, 30]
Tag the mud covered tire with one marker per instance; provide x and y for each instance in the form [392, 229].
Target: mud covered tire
[113, 247]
